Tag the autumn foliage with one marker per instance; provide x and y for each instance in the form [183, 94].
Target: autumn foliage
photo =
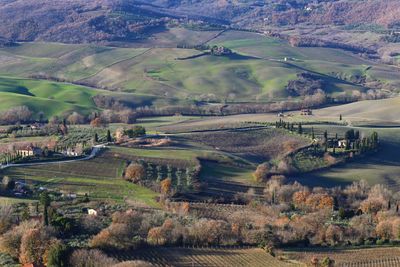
[261, 173]
[135, 172]
[166, 186]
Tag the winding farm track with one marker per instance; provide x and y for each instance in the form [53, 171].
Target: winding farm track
[95, 150]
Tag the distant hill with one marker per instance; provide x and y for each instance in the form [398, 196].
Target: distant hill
[75, 21]
[81, 21]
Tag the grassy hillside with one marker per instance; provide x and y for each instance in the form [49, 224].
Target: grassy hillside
[167, 76]
[50, 97]
[169, 72]
[385, 110]
[332, 62]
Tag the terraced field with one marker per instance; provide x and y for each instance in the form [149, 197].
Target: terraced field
[217, 257]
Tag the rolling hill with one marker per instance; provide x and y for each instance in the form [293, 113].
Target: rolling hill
[385, 110]
[57, 98]
[77, 21]
[260, 70]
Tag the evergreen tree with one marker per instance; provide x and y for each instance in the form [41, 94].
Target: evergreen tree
[326, 136]
[169, 172]
[109, 138]
[178, 175]
[357, 135]
[374, 139]
[95, 138]
[159, 173]
[188, 177]
[45, 200]
[300, 129]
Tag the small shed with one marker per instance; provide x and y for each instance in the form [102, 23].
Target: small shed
[92, 212]
[342, 143]
[306, 112]
[70, 152]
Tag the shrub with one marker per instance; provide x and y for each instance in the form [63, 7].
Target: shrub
[56, 254]
[135, 172]
[261, 173]
[10, 242]
[7, 261]
[90, 258]
[166, 185]
[123, 233]
[136, 131]
[33, 245]
[380, 242]
[5, 218]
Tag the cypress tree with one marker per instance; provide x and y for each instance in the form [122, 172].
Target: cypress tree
[300, 129]
[45, 201]
[109, 138]
[96, 138]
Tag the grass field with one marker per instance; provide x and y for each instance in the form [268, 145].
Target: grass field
[50, 97]
[382, 167]
[372, 111]
[57, 98]
[6, 201]
[217, 257]
[100, 178]
[259, 74]
[333, 62]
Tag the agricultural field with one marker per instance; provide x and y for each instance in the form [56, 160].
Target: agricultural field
[372, 112]
[254, 144]
[367, 257]
[335, 63]
[186, 257]
[366, 116]
[100, 178]
[42, 96]
[382, 167]
[163, 73]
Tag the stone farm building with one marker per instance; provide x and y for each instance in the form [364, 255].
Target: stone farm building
[306, 112]
[29, 151]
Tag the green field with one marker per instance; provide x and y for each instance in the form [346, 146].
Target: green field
[100, 178]
[379, 168]
[332, 62]
[372, 112]
[257, 73]
[50, 97]
[379, 115]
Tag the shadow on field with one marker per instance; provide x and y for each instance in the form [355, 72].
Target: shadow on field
[382, 167]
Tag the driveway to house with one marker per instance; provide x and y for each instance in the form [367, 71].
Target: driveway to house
[95, 150]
